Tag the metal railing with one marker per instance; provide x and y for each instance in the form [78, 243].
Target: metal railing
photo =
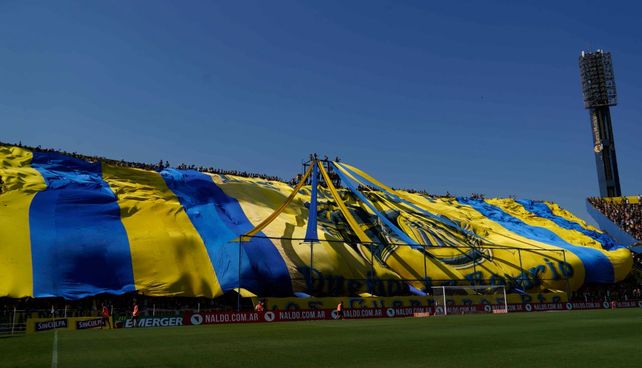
[376, 254]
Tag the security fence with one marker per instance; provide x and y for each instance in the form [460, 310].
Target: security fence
[339, 268]
[334, 268]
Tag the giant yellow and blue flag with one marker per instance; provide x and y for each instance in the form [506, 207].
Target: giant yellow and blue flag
[73, 228]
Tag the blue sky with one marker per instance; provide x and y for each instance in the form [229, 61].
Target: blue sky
[448, 96]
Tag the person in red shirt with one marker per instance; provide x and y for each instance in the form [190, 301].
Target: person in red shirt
[259, 307]
[340, 310]
[135, 314]
[105, 315]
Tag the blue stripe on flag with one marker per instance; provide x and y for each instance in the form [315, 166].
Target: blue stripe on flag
[598, 267]
[311, 231]
[194, 191]
[542, 210]
[219, 219]
[79, 245]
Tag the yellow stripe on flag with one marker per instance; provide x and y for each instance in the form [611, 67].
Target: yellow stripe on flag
[168, 254]
[21, 184]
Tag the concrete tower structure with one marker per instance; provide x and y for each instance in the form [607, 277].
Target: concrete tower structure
[598, 88]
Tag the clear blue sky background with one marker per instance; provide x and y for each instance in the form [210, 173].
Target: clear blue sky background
[448, 96]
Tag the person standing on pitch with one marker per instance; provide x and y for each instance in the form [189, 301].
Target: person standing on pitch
[259, 307]
[135, 313]
[340, 310]
[105, 315]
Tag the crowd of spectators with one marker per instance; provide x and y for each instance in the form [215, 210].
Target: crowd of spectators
[623, 213]
[422, 192]
[425, 193]
[146, 166]
[165, 164]
[244, 174]
[620, 292]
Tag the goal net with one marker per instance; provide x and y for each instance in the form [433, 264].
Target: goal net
[469, 299]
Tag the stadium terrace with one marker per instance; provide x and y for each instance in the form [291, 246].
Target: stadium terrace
[81, 230]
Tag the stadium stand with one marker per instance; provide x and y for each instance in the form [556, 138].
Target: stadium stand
[183, 166]
[622, 292]
[171, 239]
[625, 212]
[146, 166]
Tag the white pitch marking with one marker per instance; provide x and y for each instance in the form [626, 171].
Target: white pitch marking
[54, 351]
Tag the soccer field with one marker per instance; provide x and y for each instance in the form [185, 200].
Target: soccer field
[602, 338]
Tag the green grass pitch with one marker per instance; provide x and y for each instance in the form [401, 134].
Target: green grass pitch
[602, 338]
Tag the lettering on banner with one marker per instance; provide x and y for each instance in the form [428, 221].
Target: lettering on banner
[302, 315]
[92, 323]
[589, 305]
[155, 322]
[213, 318]
[547, 306]
[318, 282]
[629, 304]
[363, 313]
[455, 309]
[407, 312]
[50, 325]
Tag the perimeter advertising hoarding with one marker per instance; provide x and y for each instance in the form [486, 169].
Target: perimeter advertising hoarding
[213, 318]
[154, 322]
[70, 323]
[209, 318]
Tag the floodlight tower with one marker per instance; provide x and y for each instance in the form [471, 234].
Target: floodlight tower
[598, 88]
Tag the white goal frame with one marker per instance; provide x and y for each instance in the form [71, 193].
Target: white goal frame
[440, 294]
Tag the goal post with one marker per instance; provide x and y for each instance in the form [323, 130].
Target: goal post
[469, 299]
